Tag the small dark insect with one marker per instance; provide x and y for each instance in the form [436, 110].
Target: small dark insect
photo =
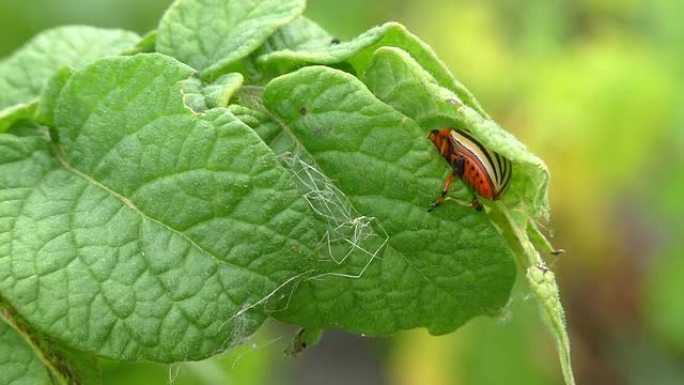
[303, 111]
[335, 40]
[487, 173]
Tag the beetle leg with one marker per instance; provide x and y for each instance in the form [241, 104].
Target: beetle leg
[445, 148]
[476, 204]
[445, 190]
[458, 165]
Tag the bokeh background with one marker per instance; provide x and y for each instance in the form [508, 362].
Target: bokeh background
[595, 87]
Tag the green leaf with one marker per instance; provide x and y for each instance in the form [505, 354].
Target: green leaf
[249, 363]
[11, 115]
[201, 97]
[160, 211]
[40, 357]
[148, 231]
[210, 35]
[219, 92]
[543, 285]
[50, 95]
[357, 54]
[371, 174]
[18, 363]
[251, 111]
[23, 75]
[397, 79]
[147, 44]
[300, 34]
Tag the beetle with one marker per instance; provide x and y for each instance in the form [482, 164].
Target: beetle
[484, 171]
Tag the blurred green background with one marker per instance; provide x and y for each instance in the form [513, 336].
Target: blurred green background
[595, 87]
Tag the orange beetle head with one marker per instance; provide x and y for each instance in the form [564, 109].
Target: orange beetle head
[440, 138]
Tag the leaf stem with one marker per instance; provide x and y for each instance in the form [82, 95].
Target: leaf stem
[543, 284]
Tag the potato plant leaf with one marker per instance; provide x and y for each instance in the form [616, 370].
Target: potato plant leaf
[409, 267]
[161, 197]
[301, 34]
[18, 363]
[398, 80]
[16, 113]
[158, 231]
[28, 357]
[209, 35]
[358, 52]
[23, 75]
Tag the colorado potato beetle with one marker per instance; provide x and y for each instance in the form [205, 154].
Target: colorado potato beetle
[487, 173]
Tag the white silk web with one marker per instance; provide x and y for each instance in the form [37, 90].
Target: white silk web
[347, 233]
[351, 242]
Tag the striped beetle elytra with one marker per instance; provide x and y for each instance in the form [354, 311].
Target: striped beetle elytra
[484, 171]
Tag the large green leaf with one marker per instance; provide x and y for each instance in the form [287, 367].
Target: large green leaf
[357, 53]
[372, 174]
[23, 74]
[209, 35]
[397, 79]
[145, 230]
[158, 215]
